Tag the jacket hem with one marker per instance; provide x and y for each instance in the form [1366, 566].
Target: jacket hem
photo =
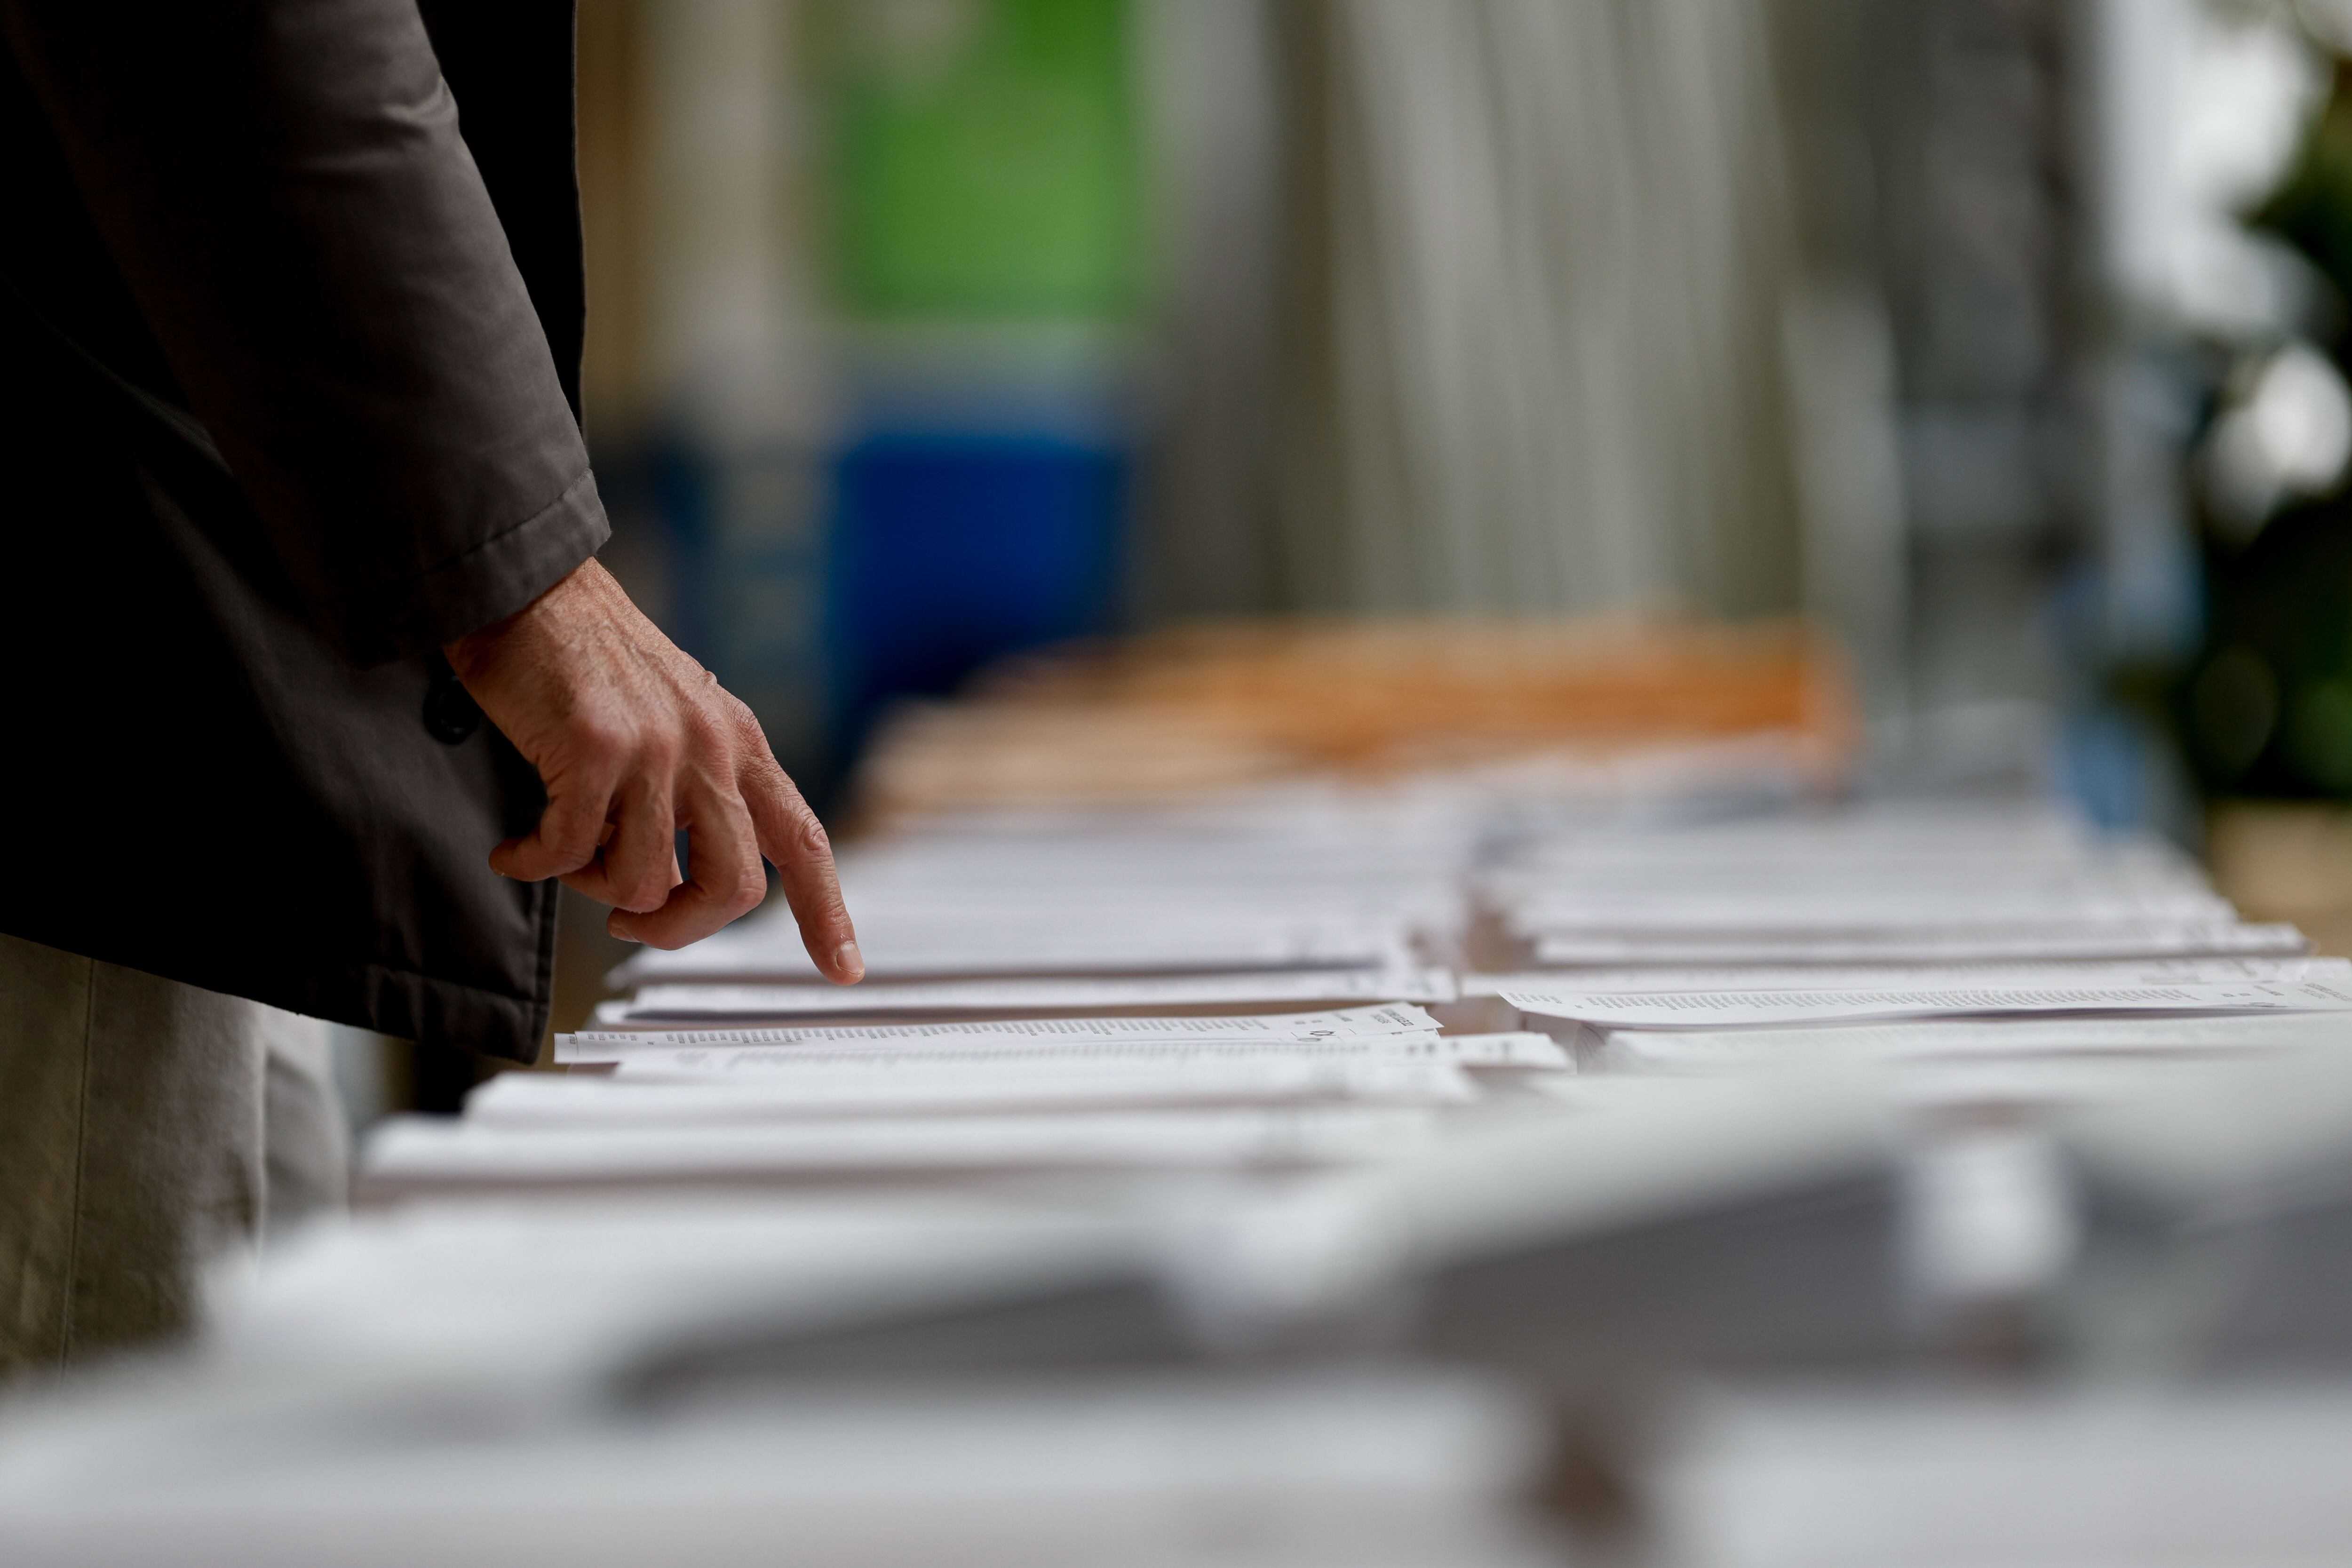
[401, 1002]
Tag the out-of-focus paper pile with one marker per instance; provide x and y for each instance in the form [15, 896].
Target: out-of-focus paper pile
[1596, 709]
[1322, 1471]
[1897, 1476]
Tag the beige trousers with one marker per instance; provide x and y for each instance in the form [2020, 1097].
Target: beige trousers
[145, 1127]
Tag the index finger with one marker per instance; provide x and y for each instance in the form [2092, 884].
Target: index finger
[790, 836]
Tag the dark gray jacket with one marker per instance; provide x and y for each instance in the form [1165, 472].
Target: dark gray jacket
[291, 313]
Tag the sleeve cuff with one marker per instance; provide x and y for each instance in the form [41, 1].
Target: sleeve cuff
[470, 591]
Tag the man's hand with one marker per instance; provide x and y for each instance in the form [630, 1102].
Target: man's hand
[636, 741]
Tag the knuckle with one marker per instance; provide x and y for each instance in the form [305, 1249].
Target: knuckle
[605, 737]
[660, 747]
[747, 895]
[574, 844]
[812, 835]
[703, 735]
[759, 767]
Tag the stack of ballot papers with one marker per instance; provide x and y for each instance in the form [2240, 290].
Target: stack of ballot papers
[1917, 886]
[1232, 911]
[1238, 988]
[1359, 891]
[1030, 998]
[613, 1287]
[1248, 989]
[940, 1101]
[1955, 1034]
[1764, 995]
[1990, 955]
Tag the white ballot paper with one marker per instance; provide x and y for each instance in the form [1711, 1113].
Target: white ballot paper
[887, 1085]
[1692, 858]
[1713, 1009]
[1110, 944]
[2037, 832]
[1007, 1033]
[407, 1152]
[1798, 912]
[1940, 1083]
[2083, 943]
[704, 1064]
[1963, 1039]
[1905, 977]
[689, 1002]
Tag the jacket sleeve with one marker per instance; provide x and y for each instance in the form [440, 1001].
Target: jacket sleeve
[283, 185]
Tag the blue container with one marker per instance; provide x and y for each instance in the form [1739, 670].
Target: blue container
[949, 549]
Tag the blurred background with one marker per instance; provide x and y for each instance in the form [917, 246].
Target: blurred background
[1998, 337]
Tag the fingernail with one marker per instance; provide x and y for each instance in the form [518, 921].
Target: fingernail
[849, 961]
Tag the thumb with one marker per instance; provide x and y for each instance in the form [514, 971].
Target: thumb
[566, 838]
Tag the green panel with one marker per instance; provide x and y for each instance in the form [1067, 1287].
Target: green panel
[981, 156]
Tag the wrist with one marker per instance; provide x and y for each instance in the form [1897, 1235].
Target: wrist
[469, 652]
